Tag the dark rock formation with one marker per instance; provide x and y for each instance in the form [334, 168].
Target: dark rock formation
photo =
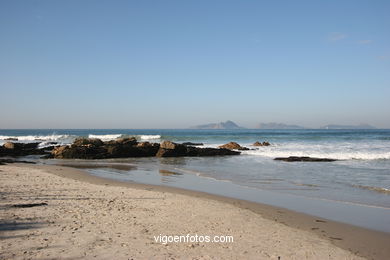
[233, 146]
[170, 149]
[11, 139]
[129, 147]
[261, 144]
[195, 151]
[20, 149]
[304, 159]
[87, 141]
[192, 144]
[92, 148]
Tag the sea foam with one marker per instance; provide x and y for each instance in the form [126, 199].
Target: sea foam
[52, 137]
[149, 137]
[340, 151]
[107, 137]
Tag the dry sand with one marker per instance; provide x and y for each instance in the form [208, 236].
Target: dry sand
[94, 218]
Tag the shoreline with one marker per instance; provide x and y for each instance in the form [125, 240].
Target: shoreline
[362, 242]
[365, 242]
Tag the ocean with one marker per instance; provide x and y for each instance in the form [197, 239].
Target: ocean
[360, 177]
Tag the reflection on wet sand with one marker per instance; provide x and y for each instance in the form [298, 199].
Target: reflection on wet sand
[168, 173]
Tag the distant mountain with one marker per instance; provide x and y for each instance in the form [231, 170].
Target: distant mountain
[361, 126]
[223, 125]
[277, 126]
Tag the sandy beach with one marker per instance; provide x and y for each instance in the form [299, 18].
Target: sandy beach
[88, 217]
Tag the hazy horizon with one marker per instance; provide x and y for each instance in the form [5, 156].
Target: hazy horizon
[176, 64]
[190, 127]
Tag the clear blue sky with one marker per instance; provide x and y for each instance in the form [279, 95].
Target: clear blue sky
[173, 64]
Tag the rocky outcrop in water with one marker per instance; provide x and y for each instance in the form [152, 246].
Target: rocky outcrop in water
[21, 149]
[170, 149]
[304, 159]
[87, 148]
[233, 146]
[192, 144]
[261, 144]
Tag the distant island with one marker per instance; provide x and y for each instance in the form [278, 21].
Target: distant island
[277, 126]
[222, 125]
[360, 126]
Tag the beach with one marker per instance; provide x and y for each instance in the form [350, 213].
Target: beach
[91, 217]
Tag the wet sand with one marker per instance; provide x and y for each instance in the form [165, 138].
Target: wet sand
[88, 217]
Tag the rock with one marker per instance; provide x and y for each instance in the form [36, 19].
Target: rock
[261, 144]
[87, 141]
[195, 151]
[146, 149]
[20, 149]
[233, 146]
[169, 145]
[9, 145]
[304, 159]
[125, 148]
[192, 144]
[11, 139]
[57, 152]
[28, 145]
[79, 152]
[87, 148]
[171, 149]
[127, 141]
[144, 144]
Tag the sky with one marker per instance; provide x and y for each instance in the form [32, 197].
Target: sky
[175, 64]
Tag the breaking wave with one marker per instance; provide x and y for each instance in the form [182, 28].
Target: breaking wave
[337, 151]
[30, 138]
[149, 137]
[371, 188]
[106, 137]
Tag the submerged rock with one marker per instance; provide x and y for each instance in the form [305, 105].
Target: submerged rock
[304, 159]
[233, 146]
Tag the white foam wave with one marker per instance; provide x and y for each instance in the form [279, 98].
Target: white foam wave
[27, 138]
[334, 151]
[105, 137]
[149, 137]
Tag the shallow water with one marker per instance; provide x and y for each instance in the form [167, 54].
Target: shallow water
[164, 171]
